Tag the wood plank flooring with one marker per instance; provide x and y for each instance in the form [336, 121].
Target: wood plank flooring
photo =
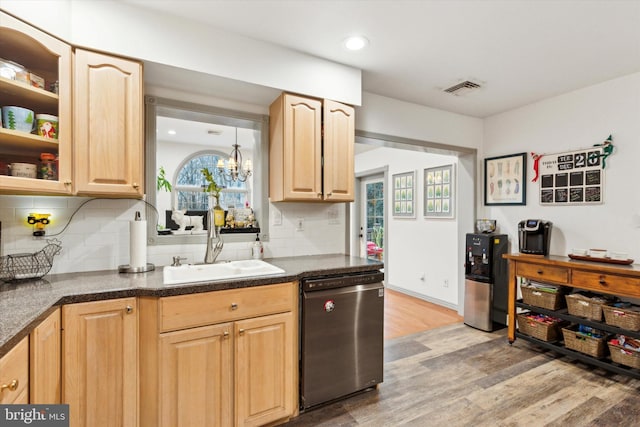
[404, 315]
[455, 375]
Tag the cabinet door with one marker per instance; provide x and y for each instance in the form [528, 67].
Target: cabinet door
[196, 373]
[339, 140]
[296, 149]
[265, 390]
[49, 58]
[14, 374]
[109, 145]
[45, 361]
[100, 363]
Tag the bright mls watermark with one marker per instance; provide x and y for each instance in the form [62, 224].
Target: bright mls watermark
[34, 415]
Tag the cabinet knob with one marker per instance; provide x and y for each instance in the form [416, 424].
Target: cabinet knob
[225, 334]
[12, 386]
[540, 272]
[129, 309]
[329, 194]
[320, 194]
[67, 183]
[135, 185]
[602, 280]
[234, 306]
[241, 331]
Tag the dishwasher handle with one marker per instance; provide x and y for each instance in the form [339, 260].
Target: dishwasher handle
[322, 283]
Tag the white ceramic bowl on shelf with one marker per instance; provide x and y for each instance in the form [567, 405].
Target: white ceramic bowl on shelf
[18, 118]
[23, 170]
[580, 252]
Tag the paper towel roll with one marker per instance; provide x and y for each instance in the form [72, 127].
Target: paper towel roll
[138, 244]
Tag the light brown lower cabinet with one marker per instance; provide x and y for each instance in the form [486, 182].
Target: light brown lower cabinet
[100, 363]
[196, 374]
[238, 371]
[14, 374]
[44, 361]
[264, 370]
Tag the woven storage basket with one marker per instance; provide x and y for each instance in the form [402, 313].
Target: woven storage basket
[592, 346]
[624, 356]
[540, 298]
[543, 331]
[626, 318]
[583, 306]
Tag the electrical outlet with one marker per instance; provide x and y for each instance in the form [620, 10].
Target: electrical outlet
[300, 224]
[277, 217]
[446, 283]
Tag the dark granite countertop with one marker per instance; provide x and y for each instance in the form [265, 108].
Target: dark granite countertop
[24, 305]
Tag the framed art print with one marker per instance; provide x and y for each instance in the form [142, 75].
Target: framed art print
[439, 192]
[505, 180]
[404, 195]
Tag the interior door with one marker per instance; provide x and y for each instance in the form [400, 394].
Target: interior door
[372, 226]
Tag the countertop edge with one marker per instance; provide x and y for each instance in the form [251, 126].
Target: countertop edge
[8, 340]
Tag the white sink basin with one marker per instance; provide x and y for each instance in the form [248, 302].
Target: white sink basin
[209, 272]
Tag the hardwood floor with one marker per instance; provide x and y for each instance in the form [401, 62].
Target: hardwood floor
[455, 375]
[404, 315]
[459, 376]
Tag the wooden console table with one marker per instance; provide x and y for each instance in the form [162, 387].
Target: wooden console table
[618, 280]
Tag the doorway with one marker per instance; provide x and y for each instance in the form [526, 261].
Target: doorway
[372, 223]
[403, 258]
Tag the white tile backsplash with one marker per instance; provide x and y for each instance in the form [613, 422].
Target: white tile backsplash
[97, 238]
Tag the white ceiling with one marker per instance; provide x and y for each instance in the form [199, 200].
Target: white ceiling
[521, 51]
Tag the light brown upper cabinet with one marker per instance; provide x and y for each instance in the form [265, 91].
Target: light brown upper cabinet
[50, 59]
[108, 125]
[99, 104]
[311, 150]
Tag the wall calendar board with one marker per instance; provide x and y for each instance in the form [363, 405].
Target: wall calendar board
[575, 177]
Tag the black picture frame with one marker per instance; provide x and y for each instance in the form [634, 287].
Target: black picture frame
[505, 180]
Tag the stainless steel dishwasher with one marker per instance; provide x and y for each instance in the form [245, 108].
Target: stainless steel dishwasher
[341, 345]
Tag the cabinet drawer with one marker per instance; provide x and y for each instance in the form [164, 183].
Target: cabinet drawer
[543, 272]
[607, 283]
[14, 372]
[188, 311]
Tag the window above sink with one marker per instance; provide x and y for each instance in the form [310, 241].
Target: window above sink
[182, 138]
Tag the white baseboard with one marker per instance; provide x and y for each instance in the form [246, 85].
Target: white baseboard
[423, 297]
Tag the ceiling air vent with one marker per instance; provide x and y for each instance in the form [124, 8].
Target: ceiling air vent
[462, 88]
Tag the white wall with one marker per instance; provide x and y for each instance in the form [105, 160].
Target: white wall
[389, 116]
[417, 247]
[571, 121]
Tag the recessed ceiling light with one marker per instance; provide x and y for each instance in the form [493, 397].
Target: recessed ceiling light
[356, 42]
[171, 132]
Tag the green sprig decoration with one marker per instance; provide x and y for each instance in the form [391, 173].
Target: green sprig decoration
[161, 181]
[211, 187]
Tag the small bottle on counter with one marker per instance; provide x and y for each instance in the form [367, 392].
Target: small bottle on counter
[257, 250]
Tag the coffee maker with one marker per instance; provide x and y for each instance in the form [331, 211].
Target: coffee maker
[534, 236]
[486, 280]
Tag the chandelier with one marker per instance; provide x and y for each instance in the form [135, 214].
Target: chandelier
[234, 169]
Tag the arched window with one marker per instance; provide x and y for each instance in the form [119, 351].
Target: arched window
[190, 184]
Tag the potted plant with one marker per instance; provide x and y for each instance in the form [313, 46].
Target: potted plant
[161, 181]
[214, 190]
